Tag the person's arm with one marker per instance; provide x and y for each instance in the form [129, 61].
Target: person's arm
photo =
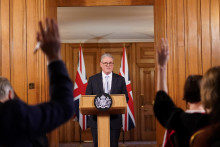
[49, 39]
[172, 117]
[61, 87]
[162, 59]
[21, 120]
[165, 111]
[164, 108]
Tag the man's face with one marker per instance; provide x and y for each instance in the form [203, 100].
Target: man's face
[107, 65]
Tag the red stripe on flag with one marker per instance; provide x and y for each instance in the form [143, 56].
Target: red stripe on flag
[130, 102]
[81, 87]
[126, 121]
[84, 124]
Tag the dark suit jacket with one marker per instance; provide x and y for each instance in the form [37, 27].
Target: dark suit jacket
[172, 117]
[21, 123]
[95, 86]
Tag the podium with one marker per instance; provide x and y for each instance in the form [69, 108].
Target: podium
[87, 107]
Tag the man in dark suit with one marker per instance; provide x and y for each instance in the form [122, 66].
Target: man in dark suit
[111, 83]
[22, 124]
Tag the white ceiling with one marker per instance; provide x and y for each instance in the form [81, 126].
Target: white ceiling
[106, 24]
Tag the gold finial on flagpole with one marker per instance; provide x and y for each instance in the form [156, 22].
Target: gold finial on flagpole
[124, 44]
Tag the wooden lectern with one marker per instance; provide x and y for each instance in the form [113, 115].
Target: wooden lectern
[87, 107]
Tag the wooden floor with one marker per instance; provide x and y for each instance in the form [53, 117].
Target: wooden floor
[126, 144]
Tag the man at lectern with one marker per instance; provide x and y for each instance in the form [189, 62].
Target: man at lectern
[110, 83]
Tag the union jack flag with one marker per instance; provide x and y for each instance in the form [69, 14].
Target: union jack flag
[128, 117]
[80, 89]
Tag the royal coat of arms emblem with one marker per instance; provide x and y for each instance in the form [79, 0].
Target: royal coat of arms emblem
[103, 101]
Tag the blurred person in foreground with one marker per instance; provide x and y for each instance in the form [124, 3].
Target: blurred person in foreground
[170, 116]
[194, 105]
[210, 95]
[21, 124]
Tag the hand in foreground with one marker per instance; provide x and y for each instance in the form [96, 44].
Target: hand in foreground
[50, 40]
[162, 52]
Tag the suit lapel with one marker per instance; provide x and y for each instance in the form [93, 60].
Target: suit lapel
[114, 82]
[100, 82]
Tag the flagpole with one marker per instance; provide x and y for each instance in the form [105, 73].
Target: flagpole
[80, 83]
[80, 136]
[80, 139]
[127, 123]
[123, 139]
[123, 136]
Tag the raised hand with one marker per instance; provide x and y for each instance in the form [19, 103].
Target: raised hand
[50, 40]
[162, 52]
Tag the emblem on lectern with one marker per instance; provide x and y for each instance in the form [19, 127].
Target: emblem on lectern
[103, 101]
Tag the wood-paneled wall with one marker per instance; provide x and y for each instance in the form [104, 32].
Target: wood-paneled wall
[192, 28]
[18, 28]
[19, 25]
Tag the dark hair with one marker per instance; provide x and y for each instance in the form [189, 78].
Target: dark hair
[192, 89]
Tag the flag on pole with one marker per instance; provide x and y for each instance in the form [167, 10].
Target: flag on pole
[80, 89]
[128, 117]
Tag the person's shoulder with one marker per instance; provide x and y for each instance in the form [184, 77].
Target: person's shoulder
[15, 103]
[14, 107]
[95, 76]
[162, 98]
[117, 76]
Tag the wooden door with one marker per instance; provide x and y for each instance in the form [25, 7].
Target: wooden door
[145, 78]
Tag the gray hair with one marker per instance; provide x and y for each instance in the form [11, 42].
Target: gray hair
[5, 87]
[106, 55]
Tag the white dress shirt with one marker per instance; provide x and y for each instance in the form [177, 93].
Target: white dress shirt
[109, 80]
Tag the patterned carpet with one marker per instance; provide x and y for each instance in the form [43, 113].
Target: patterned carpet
[126, 144]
